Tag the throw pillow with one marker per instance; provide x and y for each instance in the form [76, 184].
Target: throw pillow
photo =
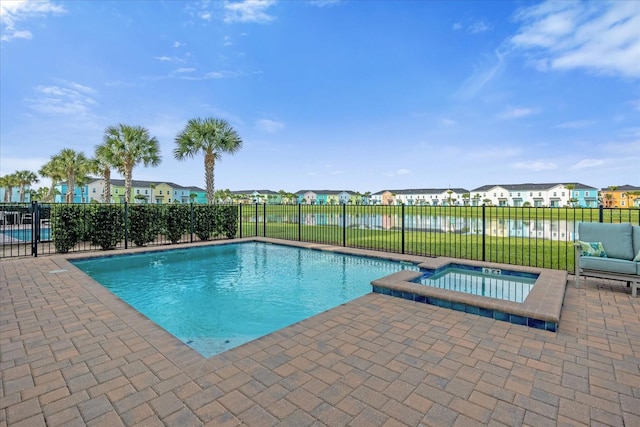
[592, 249]
[637, 258]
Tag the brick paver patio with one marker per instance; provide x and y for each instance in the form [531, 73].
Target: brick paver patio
[71, 353]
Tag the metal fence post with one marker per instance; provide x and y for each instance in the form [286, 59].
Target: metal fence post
[299, 222]
[344, 224]
[191, 224]
[601, 213]
[35, 228]
[484, 242]
[402, 227]
[256, 221]
[264, 219]
[126, 225]
[240, 215]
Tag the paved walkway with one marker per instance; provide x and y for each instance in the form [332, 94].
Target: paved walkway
[71, 353]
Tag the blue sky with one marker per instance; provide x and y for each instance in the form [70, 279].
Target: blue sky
[356, 95]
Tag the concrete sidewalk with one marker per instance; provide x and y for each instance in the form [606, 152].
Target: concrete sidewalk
[71, 353]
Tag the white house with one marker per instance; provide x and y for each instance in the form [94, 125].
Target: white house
[536, 195]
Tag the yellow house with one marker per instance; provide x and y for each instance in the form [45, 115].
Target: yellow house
[624, 196]
[163, 193]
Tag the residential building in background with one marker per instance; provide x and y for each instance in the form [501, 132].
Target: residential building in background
[422, 197]
[623, 196]
[552, 195]
[15, 195]
[572, 194]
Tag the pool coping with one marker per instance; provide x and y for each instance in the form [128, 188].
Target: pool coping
[541, 308]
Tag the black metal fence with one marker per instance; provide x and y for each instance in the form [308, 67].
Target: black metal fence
[528, 236]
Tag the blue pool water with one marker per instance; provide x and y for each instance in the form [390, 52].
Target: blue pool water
[492, 283]
[24, 234]
[217, 297]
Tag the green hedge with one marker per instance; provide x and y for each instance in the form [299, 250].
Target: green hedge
[178, 220]
[66, 227]
[145, 223]
[106, 225]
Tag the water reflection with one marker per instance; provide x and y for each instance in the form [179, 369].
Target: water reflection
[559, 230]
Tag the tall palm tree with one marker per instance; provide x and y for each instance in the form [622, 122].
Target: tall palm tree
[53, 170]
[104, 159]
[75, 166]
[8, 183]
[25, 178]
[212, 137]
[131, 145]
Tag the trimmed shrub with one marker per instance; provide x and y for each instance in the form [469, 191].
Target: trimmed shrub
[178, 220]
[66, 227]
[227, 221]
[145, 223]
[106, 225]
[204, 221]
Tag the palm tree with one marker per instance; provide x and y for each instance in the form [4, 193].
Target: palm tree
[40, 194]
[52, 170]
[4, 183]
[212, 137]
[105, 158]
[75, 167]
[9, 182]
[25, 178]
[131, 145]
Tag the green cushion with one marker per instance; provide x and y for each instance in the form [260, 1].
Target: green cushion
[592, 249]
[608, 264]
[616, 238]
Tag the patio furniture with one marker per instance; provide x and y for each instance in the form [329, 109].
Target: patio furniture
[609, 251]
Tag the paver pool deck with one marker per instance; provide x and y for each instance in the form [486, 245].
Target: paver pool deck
[72, 353]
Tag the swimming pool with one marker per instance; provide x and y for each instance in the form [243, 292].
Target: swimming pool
[217, 297]
[24, 234]
[489, 282]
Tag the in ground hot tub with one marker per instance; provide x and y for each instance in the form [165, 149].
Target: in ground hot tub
[521, 295]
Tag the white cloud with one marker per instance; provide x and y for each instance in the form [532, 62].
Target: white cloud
[478, 27]
[516, 113]
[473, 28]
[481, 76]
[269, 126]
[185, 70]
[587, 163]
[248, 11]
[447, 122]
[599, 36]
[537, 165]
[178, 44]
[14, 11]
[323, 3]
[162, 58]
[68, 98]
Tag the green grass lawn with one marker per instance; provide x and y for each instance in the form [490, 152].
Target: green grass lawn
[323, 224]
[517, 251]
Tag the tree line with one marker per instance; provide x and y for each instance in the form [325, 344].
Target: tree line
[123, 148]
